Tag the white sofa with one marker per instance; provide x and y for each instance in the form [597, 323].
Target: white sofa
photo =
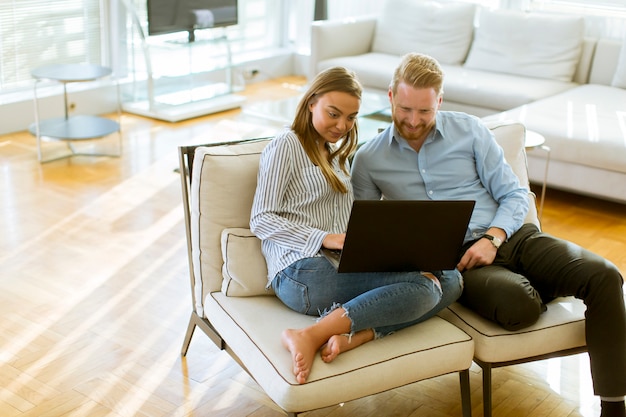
[536, 68]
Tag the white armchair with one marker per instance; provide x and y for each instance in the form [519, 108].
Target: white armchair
[231, 306]
[560, 331]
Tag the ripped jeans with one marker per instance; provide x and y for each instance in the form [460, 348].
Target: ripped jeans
[382, 301]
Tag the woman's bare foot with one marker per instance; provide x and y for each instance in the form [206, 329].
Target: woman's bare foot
[302, 350]
[342, 343]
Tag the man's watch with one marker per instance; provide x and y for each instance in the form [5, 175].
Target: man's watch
[495, 241]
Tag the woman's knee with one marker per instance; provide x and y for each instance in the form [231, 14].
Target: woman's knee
[451, 284]
[292, 293]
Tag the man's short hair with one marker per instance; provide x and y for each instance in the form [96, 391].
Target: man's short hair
[418, 71]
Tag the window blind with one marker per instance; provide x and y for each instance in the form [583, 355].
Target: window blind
[39, 32]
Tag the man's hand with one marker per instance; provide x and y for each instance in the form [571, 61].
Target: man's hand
[481, 253]
[334, 241]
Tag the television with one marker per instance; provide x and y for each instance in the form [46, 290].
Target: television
[168, 16]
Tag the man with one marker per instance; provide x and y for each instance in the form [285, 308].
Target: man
[510, 269]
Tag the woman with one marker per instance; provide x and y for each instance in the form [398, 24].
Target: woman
[302, 203]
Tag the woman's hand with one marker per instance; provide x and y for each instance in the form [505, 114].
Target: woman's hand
[334, 241]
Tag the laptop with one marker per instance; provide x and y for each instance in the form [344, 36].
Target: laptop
[402, 235]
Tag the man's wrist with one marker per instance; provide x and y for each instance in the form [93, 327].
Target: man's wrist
[495, 241]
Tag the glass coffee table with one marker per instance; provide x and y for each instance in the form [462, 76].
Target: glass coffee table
[374, 115]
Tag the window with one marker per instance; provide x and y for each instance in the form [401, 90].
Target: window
[27, 26]
[597, 7]
[604, 18]
[39, 32]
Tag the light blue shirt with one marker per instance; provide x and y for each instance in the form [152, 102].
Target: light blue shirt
[294, 206]
[460, 160]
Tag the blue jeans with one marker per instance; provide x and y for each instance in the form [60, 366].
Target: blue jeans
[382, 301]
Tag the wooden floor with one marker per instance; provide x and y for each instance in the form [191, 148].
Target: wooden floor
[94, 294]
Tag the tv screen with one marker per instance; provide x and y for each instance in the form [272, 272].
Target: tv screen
[167, 16]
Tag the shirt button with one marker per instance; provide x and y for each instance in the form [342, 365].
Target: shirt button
[430, 192]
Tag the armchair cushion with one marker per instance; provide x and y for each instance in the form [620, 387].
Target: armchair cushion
[217, 205]
[244, 269]
[562, 327]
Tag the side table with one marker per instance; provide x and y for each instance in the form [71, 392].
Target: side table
[73, 128]
[535, 140]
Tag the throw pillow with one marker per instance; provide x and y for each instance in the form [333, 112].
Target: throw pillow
[528, 44]
[244, 270]
[442, 30]
[619, 79]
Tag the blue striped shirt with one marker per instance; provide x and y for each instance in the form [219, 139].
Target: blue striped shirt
[294, 206]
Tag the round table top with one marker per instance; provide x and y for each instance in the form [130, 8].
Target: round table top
[71, 72]
[533, 139]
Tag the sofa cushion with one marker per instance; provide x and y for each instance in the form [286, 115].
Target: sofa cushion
[497, 91]
[440, 29]
[244, 269]
[533, 45]
[619, 79]
[373, 69]
[584, 125]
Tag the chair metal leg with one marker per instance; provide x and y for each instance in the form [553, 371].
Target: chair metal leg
[466, 398]
[486, 389]
[196, 321]
[190, 328]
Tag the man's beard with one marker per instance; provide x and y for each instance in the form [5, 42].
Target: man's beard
[415, 134]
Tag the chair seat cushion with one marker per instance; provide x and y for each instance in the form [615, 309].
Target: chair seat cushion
[252, 327]
[561, 327]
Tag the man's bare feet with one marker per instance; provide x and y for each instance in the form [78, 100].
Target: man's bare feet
[343, 342]
[302, 350]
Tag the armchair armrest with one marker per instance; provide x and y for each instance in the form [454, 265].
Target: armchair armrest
[335, 38]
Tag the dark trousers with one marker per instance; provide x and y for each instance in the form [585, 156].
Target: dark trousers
[532, 268]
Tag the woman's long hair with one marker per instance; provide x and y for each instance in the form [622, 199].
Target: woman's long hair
[333, 79]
